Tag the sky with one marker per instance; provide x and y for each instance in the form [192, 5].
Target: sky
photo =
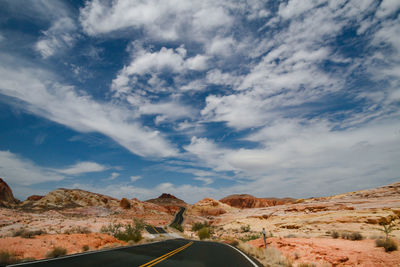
[133, 98]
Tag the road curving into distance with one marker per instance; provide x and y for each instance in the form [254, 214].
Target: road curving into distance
[169, 253]
[179, 216]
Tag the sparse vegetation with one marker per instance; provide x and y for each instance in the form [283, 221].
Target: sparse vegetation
[77, 230]
[56, 252]
[85, 248]
[7, 258]
[335, 234]
[250, 237]
[273, 257]
[387, 244]
[125, 232]
[245, 228]
[352, 236]
[27, 233]
[197, 226]
[204, 233]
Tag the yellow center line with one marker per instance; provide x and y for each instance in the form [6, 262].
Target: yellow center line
[166, 256]
[155, 229]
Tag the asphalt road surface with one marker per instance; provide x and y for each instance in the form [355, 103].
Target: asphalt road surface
[179, 216]
[170, 253]
[155, 230]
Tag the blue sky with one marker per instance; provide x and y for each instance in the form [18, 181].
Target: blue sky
[199, 98]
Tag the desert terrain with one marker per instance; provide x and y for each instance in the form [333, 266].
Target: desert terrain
[338, 230]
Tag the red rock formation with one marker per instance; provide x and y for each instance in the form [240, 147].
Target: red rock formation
[165, 195]
[34, 198]
[6, 195]
[249, 201]
[125, 204]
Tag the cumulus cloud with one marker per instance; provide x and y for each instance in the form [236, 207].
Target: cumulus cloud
[169, 21]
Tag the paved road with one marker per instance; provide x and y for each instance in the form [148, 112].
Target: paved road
[179, 216]
[170, 253]
[155, 230]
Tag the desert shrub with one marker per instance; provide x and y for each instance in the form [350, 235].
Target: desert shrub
[197, 226]
[177, 226]
[387, 244]
[85, 248]
[7, 258]
[125, 203]
[335, 234]
[27, 233]
[125, 232]
[78, 230]
[273, 257]
[249, 237]
[56, 252]
[352, 235]
[245, 228]
[204, 233]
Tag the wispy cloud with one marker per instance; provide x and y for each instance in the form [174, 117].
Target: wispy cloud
[79, 111]
[84, 167]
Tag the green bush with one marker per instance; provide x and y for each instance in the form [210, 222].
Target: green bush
[245, 228]
[7, 258]
[204, 233]
[56, 252]
[85, 248]
[125, 232]
[198, 226]
[335, 234]
[388, 244]
[177, 227]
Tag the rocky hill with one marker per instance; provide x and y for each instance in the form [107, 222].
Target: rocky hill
[168, 201]
[6, 195]
[69, 198]
[209, 207]
[248, 201]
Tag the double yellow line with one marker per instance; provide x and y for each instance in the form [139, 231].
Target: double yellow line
[166, 256]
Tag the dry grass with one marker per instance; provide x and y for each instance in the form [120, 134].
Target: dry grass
[273, 257]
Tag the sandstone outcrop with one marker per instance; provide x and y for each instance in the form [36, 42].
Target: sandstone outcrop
[6, 195]
[34, 198]
[248, 201]
[70, 198]
[209, 207]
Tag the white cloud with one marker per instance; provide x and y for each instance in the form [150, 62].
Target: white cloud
[387, 8]
[17, 170]
[162, 20]
[83, 167]
[205, 180]
[58, 37]
[135, 178]
[80, 112]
